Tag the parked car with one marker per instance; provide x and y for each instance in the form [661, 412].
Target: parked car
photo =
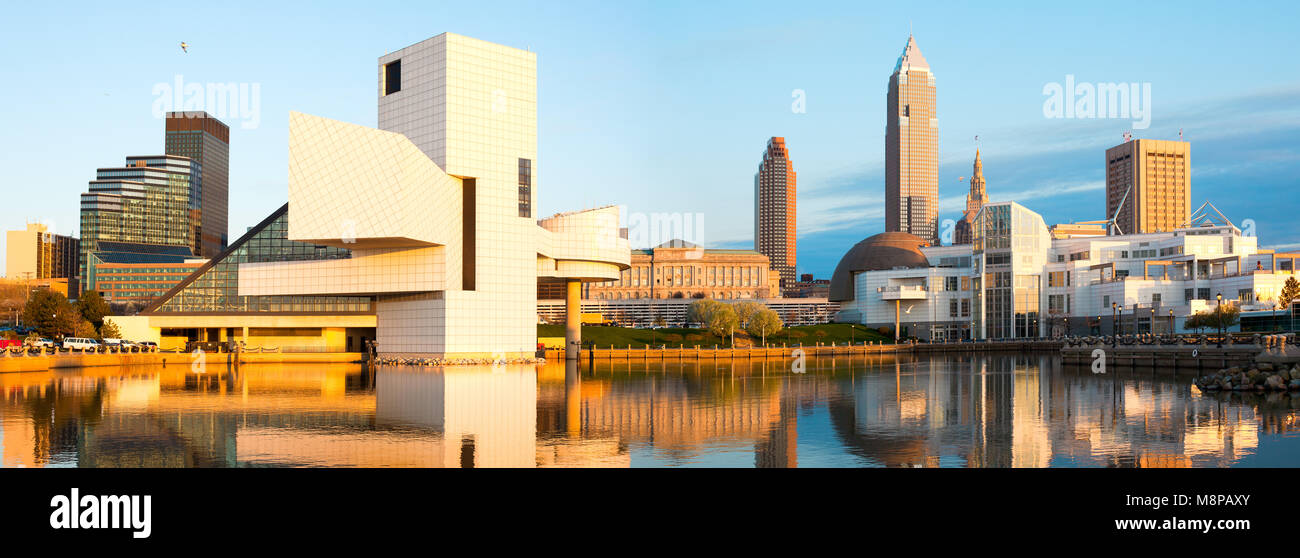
[7, 343]
[82, 343]
[147, 345]
[42, 343]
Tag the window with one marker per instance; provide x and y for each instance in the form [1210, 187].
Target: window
[525, 188]
[392, 77]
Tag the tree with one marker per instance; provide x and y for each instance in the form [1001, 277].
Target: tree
[1226, 316]
[746, 310]
[1290, 292]
[764, 322]
[85, 329]
[50, 314]
[723, 321]
[93, 307]
[701, 310]
[1198, 321]
[109, 331]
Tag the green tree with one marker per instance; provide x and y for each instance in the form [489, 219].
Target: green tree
[746, 310]
[723, 322]
[93, 307]
[84, 329]
[50, 314]
[1290, 292]
[701, 310]
[109, 331]
[764, 322]
[1226, 316]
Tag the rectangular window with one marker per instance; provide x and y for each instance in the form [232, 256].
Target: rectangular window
[525, 188]
[392, 77]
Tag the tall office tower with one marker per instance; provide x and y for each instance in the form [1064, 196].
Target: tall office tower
[974, 201]
[471, 107]
[774, 210]
[1152, 179]
[205, 139]
[912, 148]
[36, 253]
[145, 202]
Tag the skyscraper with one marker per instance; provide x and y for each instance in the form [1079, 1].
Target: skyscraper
[1151, 179]
[974, 201]
[774, 210]
[206, 140]
[147, 201]
[912, 148]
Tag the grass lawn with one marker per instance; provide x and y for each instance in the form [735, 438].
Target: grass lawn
[604, 336]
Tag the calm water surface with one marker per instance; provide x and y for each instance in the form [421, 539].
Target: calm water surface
[981, 411]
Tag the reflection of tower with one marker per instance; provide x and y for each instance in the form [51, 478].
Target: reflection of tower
[780, 447]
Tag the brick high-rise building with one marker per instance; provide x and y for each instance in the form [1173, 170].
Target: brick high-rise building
[912, 148]
[206, 140]
[774, 210]
[1152, 179]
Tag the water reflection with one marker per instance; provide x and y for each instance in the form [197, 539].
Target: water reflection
[985, 411]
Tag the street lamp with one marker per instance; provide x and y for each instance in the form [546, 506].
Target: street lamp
[1153, 320]
[1218, 315]
[1065, 321]
[1171, 321]
[1114, 324]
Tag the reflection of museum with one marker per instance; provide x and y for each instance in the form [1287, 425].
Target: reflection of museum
[1004, 411]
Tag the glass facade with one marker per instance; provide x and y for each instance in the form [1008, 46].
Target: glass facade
[1007, 241]
[215, 290]
[145, 202]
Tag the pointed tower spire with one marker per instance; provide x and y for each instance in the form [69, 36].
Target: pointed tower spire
[911, 58]
[977, 197]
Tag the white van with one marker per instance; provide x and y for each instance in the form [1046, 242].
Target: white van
[82, 343]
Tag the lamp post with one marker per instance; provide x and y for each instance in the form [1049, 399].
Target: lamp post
[1218, 316]
[1171, 321]
[1065, 321]
[1153, 320]
[1114, 324]
[1098, 324]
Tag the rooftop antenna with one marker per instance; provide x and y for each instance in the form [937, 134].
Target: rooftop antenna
[1180, 134]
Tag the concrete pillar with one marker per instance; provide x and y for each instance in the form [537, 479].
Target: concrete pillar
[572, 319]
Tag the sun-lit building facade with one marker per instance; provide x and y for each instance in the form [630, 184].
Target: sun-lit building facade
[419, 235]
[912, 148]
[1017, 281]
[775, 211]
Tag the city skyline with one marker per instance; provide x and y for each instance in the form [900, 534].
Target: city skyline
[1242, 137]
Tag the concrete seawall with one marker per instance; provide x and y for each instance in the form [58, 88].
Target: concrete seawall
[719, 353]
[58, 361]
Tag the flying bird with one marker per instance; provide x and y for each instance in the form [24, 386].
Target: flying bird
[185, 46]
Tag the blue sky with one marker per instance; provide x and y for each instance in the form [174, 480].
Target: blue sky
[665, 107]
